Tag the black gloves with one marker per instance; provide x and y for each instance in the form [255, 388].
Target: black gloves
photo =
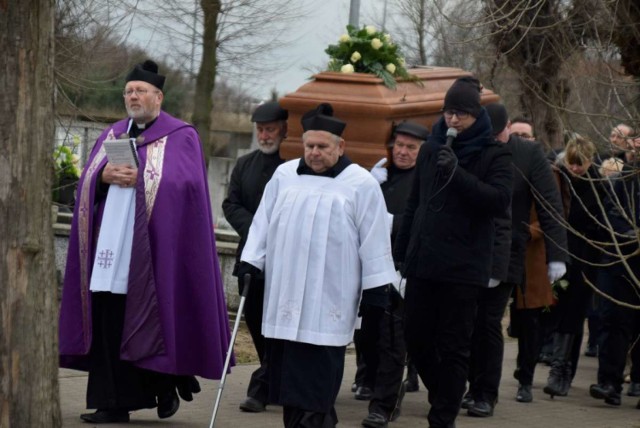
[447, 160]
[247, 268]
[374, 301]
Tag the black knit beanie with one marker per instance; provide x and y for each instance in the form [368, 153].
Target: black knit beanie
[464, 95]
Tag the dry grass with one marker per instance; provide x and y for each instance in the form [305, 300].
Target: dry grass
[243, 348]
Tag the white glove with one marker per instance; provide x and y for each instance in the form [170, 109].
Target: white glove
[555, 271]
[390, 222]
[379, 172]
[493, 283]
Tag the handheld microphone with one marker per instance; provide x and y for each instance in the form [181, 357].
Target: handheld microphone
[452, 133]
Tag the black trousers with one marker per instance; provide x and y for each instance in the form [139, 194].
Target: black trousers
[253, 306]
[366, 340]
[619, 325]
[529, 333]
[487, 348]
[114, 384]
[635, 356]
[384, 354]
[439, 324]
[575, 301]
[361, 367]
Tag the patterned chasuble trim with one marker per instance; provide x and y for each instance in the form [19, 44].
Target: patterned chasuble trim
[83, 235]
[153, 172]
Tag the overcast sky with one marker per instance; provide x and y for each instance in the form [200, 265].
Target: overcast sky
[322, 25]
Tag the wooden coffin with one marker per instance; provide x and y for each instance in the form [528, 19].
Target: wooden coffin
[370, 108]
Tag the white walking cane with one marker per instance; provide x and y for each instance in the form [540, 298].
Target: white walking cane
[243, 297]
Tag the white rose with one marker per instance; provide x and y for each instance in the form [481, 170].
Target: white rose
[401, 62]
[355, 56]
[376, 43]
[391, 68]
[387, 37]
[371, 30]
[344, 38]
[347, 68]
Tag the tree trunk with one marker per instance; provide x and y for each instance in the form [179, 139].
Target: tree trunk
[205, 82]
[536, 48]
[422, 25]
[28, 291]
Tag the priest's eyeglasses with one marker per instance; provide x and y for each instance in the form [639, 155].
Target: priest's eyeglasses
[460, 114]
[138, 92]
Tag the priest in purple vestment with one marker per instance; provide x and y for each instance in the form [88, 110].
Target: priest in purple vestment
[143, 308]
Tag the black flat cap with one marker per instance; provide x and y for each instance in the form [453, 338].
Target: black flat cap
[412, 129]
[146, 72]
[269, 112]
[321, 119]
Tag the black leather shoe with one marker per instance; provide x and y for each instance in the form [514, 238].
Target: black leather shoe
[524, 394]
[606, 392]
[168, 404]
[467, 401]
[480, 409]
[363, 393]
[634, 389]
[375, 420]
[252, 405]
[106, 417]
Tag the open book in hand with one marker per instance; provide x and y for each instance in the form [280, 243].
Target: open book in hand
[121, 151]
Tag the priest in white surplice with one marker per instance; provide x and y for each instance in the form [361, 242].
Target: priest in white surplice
[321, 235]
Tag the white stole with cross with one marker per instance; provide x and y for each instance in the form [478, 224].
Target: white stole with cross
[113, 253]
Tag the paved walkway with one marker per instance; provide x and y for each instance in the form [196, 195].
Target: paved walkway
[576, 410]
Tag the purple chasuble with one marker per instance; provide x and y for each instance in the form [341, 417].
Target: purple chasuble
[176, 318]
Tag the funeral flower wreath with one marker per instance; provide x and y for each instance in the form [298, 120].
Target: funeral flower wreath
[368, 50]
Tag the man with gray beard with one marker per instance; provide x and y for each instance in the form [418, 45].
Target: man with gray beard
[248, 180]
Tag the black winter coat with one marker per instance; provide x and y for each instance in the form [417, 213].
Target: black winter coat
[533, 173]
[448, 231]
[396, 192]
[248, 180]
[584, 213]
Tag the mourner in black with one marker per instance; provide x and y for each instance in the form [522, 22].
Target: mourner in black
[381, 340]
[487, 346]
[445, 243]
[582, 187]
[620, 324]
[248, 180]
[531, 173]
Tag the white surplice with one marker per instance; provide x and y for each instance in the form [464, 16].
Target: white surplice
[320, 242]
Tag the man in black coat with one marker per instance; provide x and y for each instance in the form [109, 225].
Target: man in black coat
[248, 180]
[380, 340]
[445, 243]
[620, 324]
[531, 173]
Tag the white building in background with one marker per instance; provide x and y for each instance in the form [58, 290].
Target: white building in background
[78, 135]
